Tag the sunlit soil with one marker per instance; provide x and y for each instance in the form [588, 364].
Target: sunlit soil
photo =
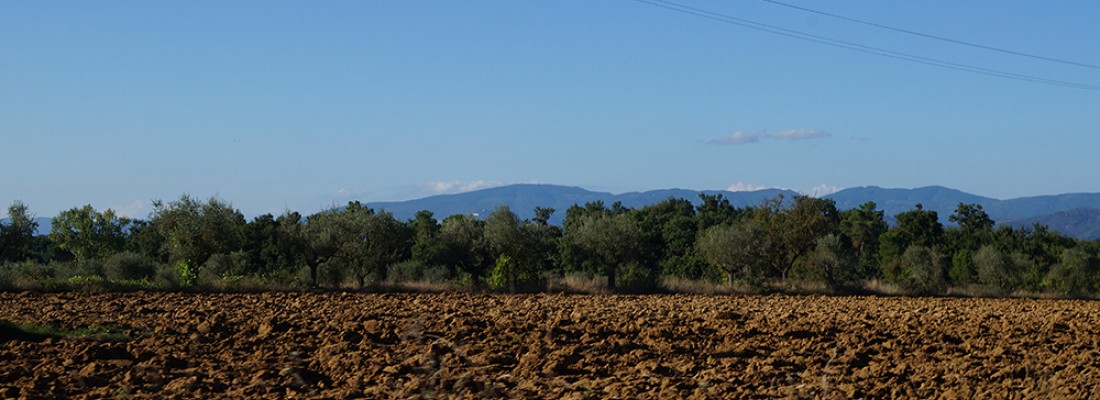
[347, 345]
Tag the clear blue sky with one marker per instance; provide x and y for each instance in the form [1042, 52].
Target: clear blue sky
[302, 105]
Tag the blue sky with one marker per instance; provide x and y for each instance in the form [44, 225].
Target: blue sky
[302, 105]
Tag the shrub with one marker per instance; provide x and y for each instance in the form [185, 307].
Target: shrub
[833, 263]
[922, 271]
[168, 276]
[416, 271]
[1073, 274]
[130, 266]
[962, 268]
[331, 274]
[996, 271]
[509, 274]
[637, 278]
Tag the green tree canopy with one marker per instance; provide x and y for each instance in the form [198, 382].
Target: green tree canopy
[613, 238]
[736, 249]
[465, 247]
[17, 236]
[89, 234]
[195, 230]
[863, 226]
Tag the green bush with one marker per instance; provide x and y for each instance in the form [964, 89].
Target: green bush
[962, 268]
[922, 271]
[996, 270]
[332, 274]
[167, 276]
[416, 271]
[130, 266]
[526, 278]
[1074, 274]
[637, 278]
[30, 271]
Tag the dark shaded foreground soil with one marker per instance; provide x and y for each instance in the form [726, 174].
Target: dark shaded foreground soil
[280, 345]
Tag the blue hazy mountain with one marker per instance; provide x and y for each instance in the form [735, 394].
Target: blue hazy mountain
[523, 198]
[1081, 223]
[893, 201]
[1054, 211]
[1073, 214]
[44, 225]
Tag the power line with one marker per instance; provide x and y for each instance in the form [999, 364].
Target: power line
[727, 19]
[935, 37]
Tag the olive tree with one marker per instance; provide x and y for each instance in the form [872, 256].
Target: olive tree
[464, 246]
[194, 231]
[613, 238]
[1074, 274]
[735, 249]
[89, 234]
[17, 235]
[922, 271]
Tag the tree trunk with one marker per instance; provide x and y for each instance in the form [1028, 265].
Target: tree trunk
[313, 266]
[730, 276]
[611, 278]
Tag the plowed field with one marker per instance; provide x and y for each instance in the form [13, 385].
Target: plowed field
[344, 345]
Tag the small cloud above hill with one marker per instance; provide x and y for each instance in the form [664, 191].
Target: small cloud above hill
[736, 138]
[740, 137]
[447, 187]
[799, 134]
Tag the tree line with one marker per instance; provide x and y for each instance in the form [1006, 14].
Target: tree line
[781, 243]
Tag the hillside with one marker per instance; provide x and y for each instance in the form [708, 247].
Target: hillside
[1082, 223]
[523, 198]
[1073, 214]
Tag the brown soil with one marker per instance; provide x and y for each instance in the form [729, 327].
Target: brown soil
[337, 345]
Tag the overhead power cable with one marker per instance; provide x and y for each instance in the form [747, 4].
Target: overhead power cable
[935, 37]
[728, 19]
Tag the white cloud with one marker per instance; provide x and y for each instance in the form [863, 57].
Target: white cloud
[816, 191]
[348, 194]
[341, 196]
[740, 137]
[822, 190]
[736, 138]
[747, 187]
[461, 186]
[799, 134]
[132, 210]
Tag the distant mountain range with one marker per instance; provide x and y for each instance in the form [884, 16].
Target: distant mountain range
[1076, 214]
[44, 224]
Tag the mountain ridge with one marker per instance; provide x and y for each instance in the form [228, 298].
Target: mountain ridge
[523, 198]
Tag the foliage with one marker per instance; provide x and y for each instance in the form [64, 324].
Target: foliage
[835, 262]
[613, 239]
[208, 245]
[1074, 274]
[735, 249]
[357, 240]
[862, 227]
[464, 246]
[916, 227]
[996, 270]
[415, 271]
[17, 235]
[130, 266]
[194, 230]
[922, 271]
[89, 234]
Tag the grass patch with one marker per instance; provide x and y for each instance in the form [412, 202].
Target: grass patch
[32, 332]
